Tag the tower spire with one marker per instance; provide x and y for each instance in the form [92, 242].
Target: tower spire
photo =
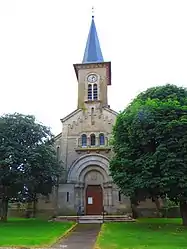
[92, 51]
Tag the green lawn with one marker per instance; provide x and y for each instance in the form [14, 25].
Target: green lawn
[31, 232]
[145, 233]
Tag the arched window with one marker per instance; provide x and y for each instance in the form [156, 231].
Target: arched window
[119, 196]
[95, 91]
[58, 153]
[101, 139]
[92, 139]
[84, 140]
[90, 92]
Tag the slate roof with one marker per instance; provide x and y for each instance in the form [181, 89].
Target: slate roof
[93, 51]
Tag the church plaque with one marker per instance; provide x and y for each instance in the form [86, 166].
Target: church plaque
[90, 200]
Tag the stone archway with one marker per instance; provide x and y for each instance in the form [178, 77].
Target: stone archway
[82, 165]
[91, 170]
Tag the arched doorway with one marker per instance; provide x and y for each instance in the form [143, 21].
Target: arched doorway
[91, 176]
[94, 200]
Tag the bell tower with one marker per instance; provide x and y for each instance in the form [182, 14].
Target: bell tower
[93, 74]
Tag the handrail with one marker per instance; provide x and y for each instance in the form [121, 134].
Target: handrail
[78, 214]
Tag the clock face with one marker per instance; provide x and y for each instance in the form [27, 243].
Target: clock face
[92, 78]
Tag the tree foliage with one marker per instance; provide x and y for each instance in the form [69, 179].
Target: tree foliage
[28, 162]
[150, 146]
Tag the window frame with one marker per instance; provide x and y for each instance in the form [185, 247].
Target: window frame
[92, 93]
[101, 135]
[92, 136]
[84, 136]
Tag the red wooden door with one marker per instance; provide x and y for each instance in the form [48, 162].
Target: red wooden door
[94, 200]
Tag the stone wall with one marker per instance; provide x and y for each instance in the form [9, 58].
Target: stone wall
[82, 123]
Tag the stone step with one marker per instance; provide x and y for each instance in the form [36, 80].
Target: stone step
[86, 217]
[114, 218]
[74, 216]
[82, 221]
[95, 218]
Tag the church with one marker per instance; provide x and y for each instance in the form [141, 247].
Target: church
[83, 145]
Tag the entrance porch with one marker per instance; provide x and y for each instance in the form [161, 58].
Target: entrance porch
[93, 199]
[93, 187]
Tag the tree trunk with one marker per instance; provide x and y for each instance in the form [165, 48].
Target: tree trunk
[4, 209]
[34, 205]
[157, 204]
[134, 207]
[135, 211]
[28, 210]
[183, 210]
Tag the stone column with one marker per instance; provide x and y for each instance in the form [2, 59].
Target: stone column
[108, 196]
[82, 198]
[110, 199]
[97, 141]
[88, 141]
[79, 196]
[105, 196]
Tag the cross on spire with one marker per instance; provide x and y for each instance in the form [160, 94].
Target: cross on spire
[92, 12]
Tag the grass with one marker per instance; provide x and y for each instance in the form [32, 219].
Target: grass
[31, 232]
[144, 234]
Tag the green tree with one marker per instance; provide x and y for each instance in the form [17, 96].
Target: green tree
[28, 162]
[150, 147]
[42, 173]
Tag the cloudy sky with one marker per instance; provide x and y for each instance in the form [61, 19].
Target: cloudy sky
[146, 41]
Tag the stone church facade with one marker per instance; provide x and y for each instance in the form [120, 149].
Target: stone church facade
[83, 145]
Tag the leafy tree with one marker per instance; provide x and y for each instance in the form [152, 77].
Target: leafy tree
[150, 147]
[42, 173]
[28, 162]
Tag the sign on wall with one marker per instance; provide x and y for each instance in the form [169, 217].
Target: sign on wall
[90, 200]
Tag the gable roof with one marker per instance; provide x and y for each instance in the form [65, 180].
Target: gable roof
[70, 115]
[58, 136]
[107, 108]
